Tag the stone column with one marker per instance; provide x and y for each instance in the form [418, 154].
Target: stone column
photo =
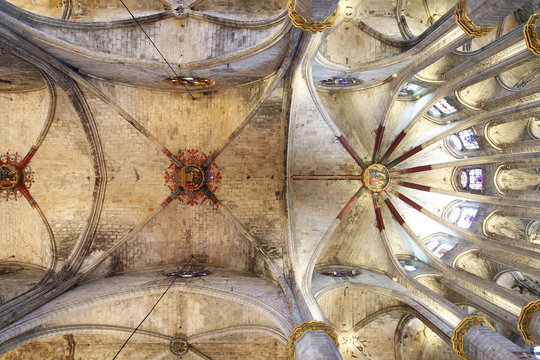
[501, 313]
[316, 345]
[315, 10]
[487, 13]
[482, 343]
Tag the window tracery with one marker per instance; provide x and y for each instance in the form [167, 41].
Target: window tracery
[340, 272]
[439, 248]
[464, 140]
[535, 350]
[410, 265]
[409, 89]
[341, 81]
[441, 108]
[471, 179]
[462, 216]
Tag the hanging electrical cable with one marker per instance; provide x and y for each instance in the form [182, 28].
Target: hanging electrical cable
[152, 309]
[151, 41]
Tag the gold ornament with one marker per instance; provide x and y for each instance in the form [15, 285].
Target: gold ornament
[531, 35]
[524, 321]
[304, 327]
[461, 330]
[311, 26]
[466, 24]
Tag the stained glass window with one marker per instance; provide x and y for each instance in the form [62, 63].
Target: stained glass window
[442, 107]
[468, 139]
[339, 81]
[432, 245]
[465, 139]
[439, 248]
[536, 351]
[442, 249]
[471, 179]
[453, 217]
[409, 265]
[409, 89]
[464, 179]
[466, 217]
[433, 111]
[462, 216]
[456, 142]
[475, 179]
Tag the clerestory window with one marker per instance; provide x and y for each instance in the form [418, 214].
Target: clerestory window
[409, 89]
[471, 179]
[462, 216]
[439, 248]
[442, 108]
[464, 140]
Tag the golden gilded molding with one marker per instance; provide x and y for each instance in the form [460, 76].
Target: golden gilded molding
[462, 329]
[531, 35]
[466, 24]
[303, 328]
[525, 318]
[311, 26]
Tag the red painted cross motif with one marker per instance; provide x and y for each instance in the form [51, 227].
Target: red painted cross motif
[16, 177]
[192, 177]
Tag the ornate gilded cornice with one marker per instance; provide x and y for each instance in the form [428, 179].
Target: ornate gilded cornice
[303, 328]
[311, 26]
[525, 318]
[466, 24]
[531, 35]
[462, 329]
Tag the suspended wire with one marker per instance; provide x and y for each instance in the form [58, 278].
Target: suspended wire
[174, 72]
[163, 57]
[152, 309]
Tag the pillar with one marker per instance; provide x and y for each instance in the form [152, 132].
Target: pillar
[316, 346]
[313, 340]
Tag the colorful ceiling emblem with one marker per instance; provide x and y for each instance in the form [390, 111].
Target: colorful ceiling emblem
[15, 176]
[192, 177]
[376, 177]
[9, 176]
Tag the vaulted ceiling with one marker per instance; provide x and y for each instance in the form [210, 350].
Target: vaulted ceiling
[286, 225]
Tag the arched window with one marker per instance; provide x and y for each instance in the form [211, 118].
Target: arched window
[535, 350]
[340, 272]
[441, 108]
[462, 216]
[409, 89]
[439, 248]
[470, 179]
[464, 140]
[341, 81]
[410, 265]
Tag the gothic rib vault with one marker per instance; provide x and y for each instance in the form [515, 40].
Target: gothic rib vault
[381, 176]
